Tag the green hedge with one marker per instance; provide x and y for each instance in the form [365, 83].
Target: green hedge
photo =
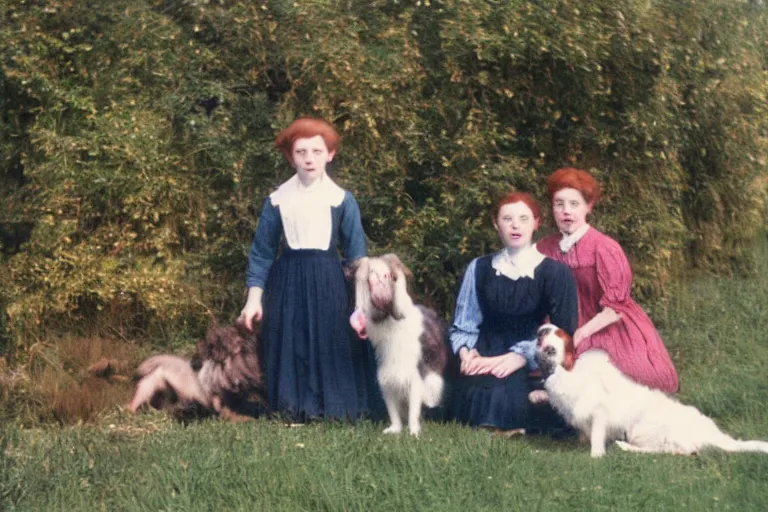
[136, 138]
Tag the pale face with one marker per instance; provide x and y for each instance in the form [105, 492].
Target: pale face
[310, 156]
[570, 210]
[515, 225]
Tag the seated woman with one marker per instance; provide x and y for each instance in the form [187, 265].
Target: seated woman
[608, 317]
[503, 300]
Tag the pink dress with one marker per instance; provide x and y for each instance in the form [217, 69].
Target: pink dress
[604, 279]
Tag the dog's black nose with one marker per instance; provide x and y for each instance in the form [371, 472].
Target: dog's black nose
[545, 363]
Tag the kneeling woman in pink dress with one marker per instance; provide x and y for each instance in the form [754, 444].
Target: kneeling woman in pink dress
[609, 318]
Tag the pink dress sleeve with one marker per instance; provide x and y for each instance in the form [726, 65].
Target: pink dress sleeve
[613, 274]
[633, 343]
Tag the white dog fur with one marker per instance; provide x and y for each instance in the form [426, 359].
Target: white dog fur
[596, 398]
[408, 340]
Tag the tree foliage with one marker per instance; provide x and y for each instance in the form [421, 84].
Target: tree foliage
[136, 138]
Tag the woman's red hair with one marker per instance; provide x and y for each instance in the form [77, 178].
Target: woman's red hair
[568, 177]
[306, 127]
[518, 197]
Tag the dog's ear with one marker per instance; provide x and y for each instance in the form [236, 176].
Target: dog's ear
[569, 357]
[397, 266]
[568, 361]
[351, 268]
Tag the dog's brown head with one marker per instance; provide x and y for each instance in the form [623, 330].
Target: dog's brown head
[555, 348]
[375, 280]
[230, 359]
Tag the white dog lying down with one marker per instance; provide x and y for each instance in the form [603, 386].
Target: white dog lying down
[409, 340]
[596, 398]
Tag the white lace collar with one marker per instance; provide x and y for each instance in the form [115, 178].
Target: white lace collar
[568, 241]
[322, 190]
[520, 264]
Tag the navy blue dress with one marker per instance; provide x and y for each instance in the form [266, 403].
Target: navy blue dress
[315, 365]
[512, 311]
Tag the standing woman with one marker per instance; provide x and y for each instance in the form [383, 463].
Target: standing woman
[503, 300]
[315, 367]
[609, 318]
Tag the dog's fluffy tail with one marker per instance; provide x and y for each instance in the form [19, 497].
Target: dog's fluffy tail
[150, 364]
[433, 389]
[730, 444]
[166, 371]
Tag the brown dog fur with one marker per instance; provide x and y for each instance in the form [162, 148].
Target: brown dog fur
[224, 377]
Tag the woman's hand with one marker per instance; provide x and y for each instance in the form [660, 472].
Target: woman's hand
[472, 363]
[475, 364]
[578, 336]
[597, 323]
[468, 360]
[358, 321]
[507, 364]
[479, 365]
[250, 314]
[252, 309]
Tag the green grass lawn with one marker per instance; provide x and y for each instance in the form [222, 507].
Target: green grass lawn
[263, 465]
[716, 332]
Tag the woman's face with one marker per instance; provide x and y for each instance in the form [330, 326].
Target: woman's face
[515, 225]
[570, 210]
[310, 156]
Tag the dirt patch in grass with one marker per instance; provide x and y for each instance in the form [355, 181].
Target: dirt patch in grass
[69, 380]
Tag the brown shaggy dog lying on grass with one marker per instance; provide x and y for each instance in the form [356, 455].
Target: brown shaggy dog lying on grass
[224, 377]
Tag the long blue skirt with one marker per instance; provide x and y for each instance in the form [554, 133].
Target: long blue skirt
[486, 401]
[315, 365]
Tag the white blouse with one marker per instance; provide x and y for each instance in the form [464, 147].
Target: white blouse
[521, 264]
[306, 211]
[568, 241]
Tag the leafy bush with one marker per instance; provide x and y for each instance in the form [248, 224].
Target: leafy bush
[137, 139]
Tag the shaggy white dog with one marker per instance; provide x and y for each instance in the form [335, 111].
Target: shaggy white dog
[409, 340]
[596, 398]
